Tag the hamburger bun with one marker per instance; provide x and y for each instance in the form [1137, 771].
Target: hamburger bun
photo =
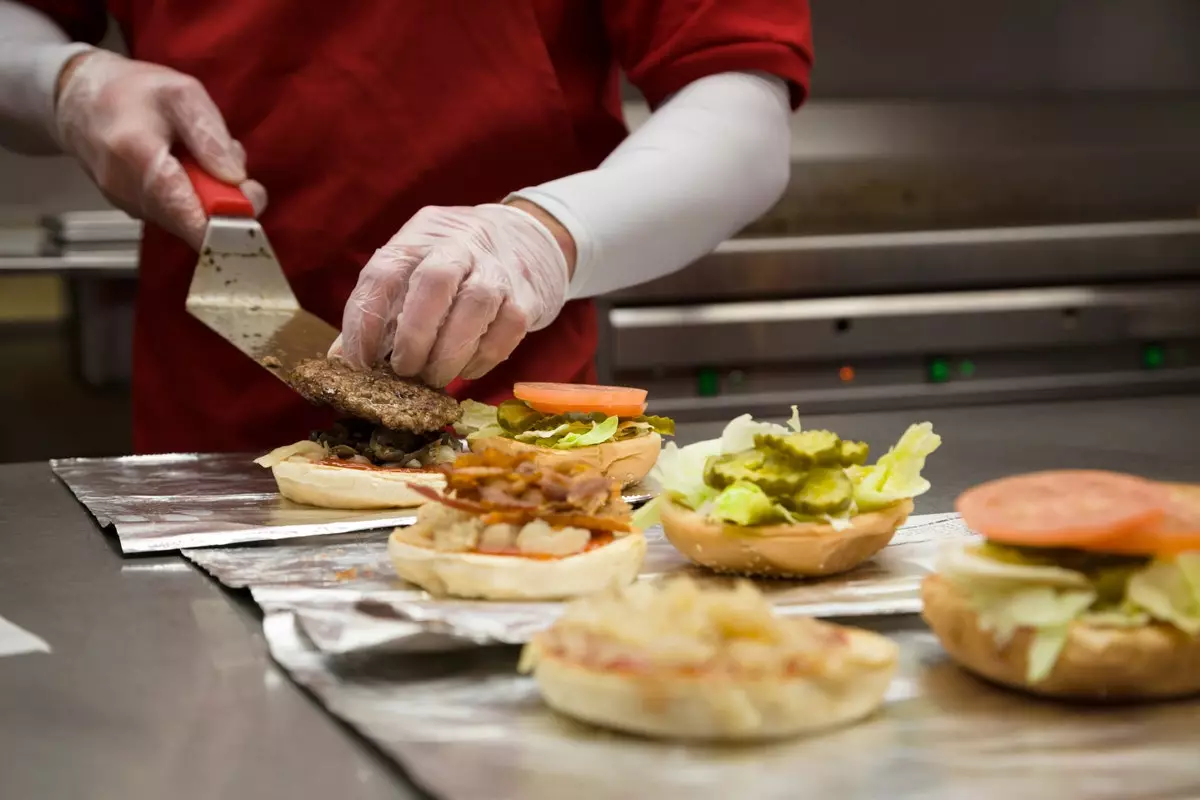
[681, 660]
[674, 705]
[301, 478]
[628, 461]
[1153, 661]
[505, 577]
[808, 549]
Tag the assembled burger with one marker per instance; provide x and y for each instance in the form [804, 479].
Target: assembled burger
[604, 426]
[393, 434]
[1086, 585]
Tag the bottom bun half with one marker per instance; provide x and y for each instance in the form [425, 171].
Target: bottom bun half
[801, 550]
[494, 577]
[327, 486]
[1098, 663]
[627, 461]
[673, 705]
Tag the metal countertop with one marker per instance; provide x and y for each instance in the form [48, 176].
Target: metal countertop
[159, 684]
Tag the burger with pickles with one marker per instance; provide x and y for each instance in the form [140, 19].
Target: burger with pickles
[603, 426]
[1086, 585]
[771, 500]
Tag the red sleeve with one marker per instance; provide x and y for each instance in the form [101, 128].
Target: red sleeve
[83, 20]
[663, 45]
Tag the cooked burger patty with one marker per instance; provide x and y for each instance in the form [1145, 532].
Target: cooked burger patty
[378, 396]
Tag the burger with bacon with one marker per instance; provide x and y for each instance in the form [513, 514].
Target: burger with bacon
[508, 527]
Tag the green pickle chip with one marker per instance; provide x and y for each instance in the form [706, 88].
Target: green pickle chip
[828, 490]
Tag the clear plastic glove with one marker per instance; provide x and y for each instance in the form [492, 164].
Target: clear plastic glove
[454, 292]
[120, 117]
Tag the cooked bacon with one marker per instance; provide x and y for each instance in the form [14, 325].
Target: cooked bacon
[514, 489]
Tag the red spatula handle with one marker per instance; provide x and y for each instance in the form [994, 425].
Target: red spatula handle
[219, 199]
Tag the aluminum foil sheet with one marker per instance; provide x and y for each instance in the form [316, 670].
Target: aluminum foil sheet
[345, 596]
[171, 502]
[465, 726]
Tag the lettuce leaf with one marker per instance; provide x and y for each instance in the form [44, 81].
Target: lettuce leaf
[600, 432]
[897, 474]
[679, 473]
[1047, 599]
[744, 503]
[1165, 590]
[740, 432]
[478, 421]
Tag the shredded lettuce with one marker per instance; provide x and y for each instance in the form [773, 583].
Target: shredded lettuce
[897, 474]
[600, 432]
[1046, 599]
[557, 431]
[478, 421]
[1165, 591]
[744, 503]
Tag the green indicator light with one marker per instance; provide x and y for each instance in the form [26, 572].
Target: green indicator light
[1153, 356]
[938, 370]
[966, 368]
[707, 383]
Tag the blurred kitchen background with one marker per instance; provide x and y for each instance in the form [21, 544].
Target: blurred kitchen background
[989, 203]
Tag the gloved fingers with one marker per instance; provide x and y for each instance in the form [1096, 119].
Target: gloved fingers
[256, 193]
[498, 342]
[431, 292]
[169, 200]
[369, 320]
[335, 349]
[197, 122]
[473, 310]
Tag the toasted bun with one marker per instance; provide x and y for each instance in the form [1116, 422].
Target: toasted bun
[328, 486]
[627, 461]
[673, 705]
[491, 577]
[1149, 662]
[803, 550]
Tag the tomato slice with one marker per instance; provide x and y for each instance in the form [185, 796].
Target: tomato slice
[1177, 532]
[562, 398]
[1069, 508]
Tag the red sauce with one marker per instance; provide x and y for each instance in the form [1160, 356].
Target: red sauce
[599, 539]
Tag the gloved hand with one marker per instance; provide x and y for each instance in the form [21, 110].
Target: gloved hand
[119, 118]
[454, 292]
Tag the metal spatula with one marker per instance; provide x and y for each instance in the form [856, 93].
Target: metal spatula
[239, 290]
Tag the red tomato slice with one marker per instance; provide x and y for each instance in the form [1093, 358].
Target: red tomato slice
[562, 398]
[1177, 532]
[1070, 508]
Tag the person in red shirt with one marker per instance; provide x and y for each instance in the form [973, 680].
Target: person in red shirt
[450, 181]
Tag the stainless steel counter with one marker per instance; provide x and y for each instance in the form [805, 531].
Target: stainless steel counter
[159, 684]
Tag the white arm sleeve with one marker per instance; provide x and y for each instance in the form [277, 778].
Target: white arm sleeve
[33, 51]
[712, 159]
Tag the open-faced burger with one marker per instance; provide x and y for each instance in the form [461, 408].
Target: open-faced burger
[394, 432]
[679, 660]
[605, 426]
[780, 501]
[1086, 586]
[511, 527]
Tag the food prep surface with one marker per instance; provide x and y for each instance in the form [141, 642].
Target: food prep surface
[159, 683]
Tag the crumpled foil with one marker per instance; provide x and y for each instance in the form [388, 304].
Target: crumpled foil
[169, 502]
[465, 726]
[346, 597]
